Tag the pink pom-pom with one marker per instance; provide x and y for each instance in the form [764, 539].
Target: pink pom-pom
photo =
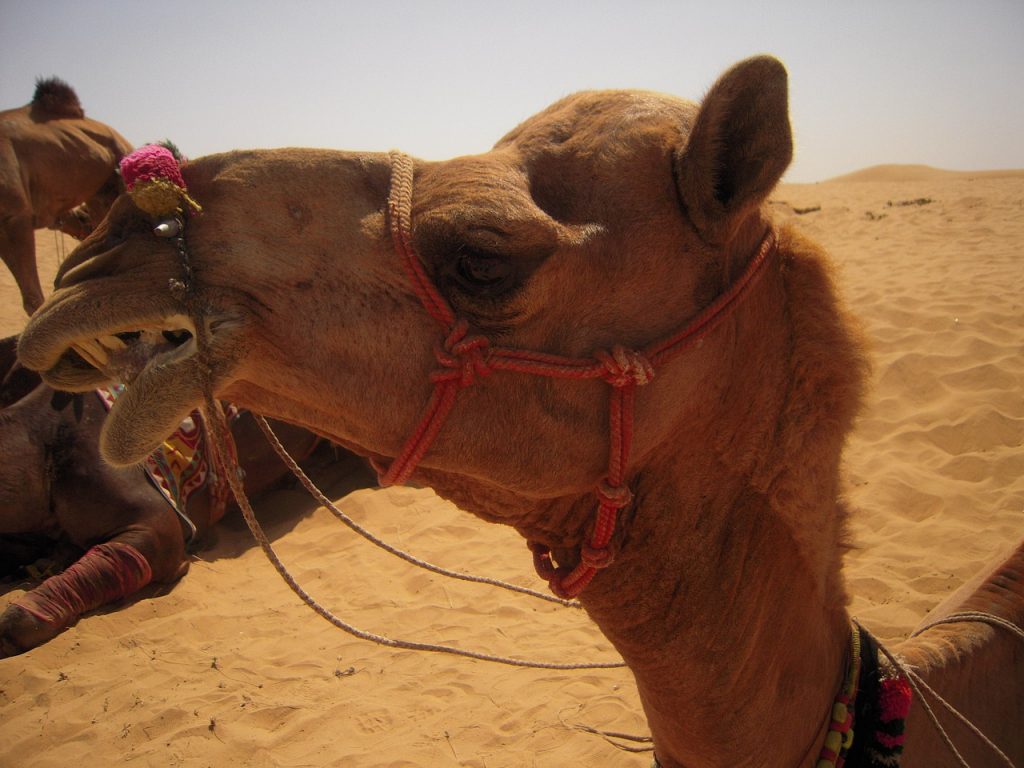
[894, 699]
[149, 163]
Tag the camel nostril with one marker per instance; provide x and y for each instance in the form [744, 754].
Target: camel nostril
[178, 337]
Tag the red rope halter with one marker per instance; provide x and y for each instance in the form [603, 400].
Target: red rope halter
[464, 357]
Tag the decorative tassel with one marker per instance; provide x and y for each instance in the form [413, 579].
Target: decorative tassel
[153, 178]
[894, 698]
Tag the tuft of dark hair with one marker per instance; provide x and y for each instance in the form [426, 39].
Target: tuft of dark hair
[56, 98]
[173, 149]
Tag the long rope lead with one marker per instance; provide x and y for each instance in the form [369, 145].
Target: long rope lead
[317, 494]
[221, 438]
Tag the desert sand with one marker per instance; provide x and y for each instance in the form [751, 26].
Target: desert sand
[227, 667]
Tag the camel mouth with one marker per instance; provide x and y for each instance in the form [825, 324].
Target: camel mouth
[126, 354]
[156, 358]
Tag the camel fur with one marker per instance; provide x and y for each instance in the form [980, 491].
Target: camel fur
[58, 169]
[611, 218]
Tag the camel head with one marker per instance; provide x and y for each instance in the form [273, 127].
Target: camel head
[81, 220]
[608, 220]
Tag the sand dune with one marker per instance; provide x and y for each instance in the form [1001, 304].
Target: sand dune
[899, 173]
[227, 668]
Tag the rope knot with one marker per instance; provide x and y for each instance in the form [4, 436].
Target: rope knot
[615, 496]
[596, 557]
[462, 357]
[623, 367]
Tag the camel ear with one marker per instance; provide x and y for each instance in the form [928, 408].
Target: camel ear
[739, 147]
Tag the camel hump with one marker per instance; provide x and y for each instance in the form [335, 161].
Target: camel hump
[998, 589]
[55, 98]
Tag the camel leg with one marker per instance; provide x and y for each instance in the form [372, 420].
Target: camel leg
[142, 542]
[106, 573]
[18, 250]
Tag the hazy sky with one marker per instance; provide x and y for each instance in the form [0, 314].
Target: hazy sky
[895, 81]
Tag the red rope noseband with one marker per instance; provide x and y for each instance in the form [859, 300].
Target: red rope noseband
[463, 358]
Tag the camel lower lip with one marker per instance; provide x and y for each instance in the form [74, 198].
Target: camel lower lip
[162, 393]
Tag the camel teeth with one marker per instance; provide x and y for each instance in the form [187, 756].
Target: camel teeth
[93, 353]
[112, 343]
[98, 351]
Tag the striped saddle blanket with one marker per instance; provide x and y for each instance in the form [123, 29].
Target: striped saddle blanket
[183, 464]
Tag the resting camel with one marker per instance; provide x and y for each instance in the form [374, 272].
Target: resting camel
[60, 501]
[58, 169]
[594, 333]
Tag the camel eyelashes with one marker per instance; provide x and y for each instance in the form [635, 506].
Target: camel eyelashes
[482, 270]
[167, 228]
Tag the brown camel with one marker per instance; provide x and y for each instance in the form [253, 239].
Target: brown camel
[343, 291]
[58, 169]
[59, 501]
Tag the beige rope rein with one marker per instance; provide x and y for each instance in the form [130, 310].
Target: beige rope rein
[317, 494]
[221, 437]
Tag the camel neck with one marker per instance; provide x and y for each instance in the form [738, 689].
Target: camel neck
[725, 598]
[736, 652]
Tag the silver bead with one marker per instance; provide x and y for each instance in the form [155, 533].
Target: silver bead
[167, 228]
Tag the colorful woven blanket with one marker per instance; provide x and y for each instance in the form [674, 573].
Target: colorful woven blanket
[182, 465]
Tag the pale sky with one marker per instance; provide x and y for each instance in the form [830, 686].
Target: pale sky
[937, 82]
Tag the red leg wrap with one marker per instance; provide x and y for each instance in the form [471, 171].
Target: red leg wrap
[105, 573]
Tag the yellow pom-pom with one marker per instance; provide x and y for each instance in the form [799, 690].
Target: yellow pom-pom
[159, 197]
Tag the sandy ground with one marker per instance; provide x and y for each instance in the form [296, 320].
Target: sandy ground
[228, 668]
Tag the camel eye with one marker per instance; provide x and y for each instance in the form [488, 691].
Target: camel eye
[482, 270]
[167, 228]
